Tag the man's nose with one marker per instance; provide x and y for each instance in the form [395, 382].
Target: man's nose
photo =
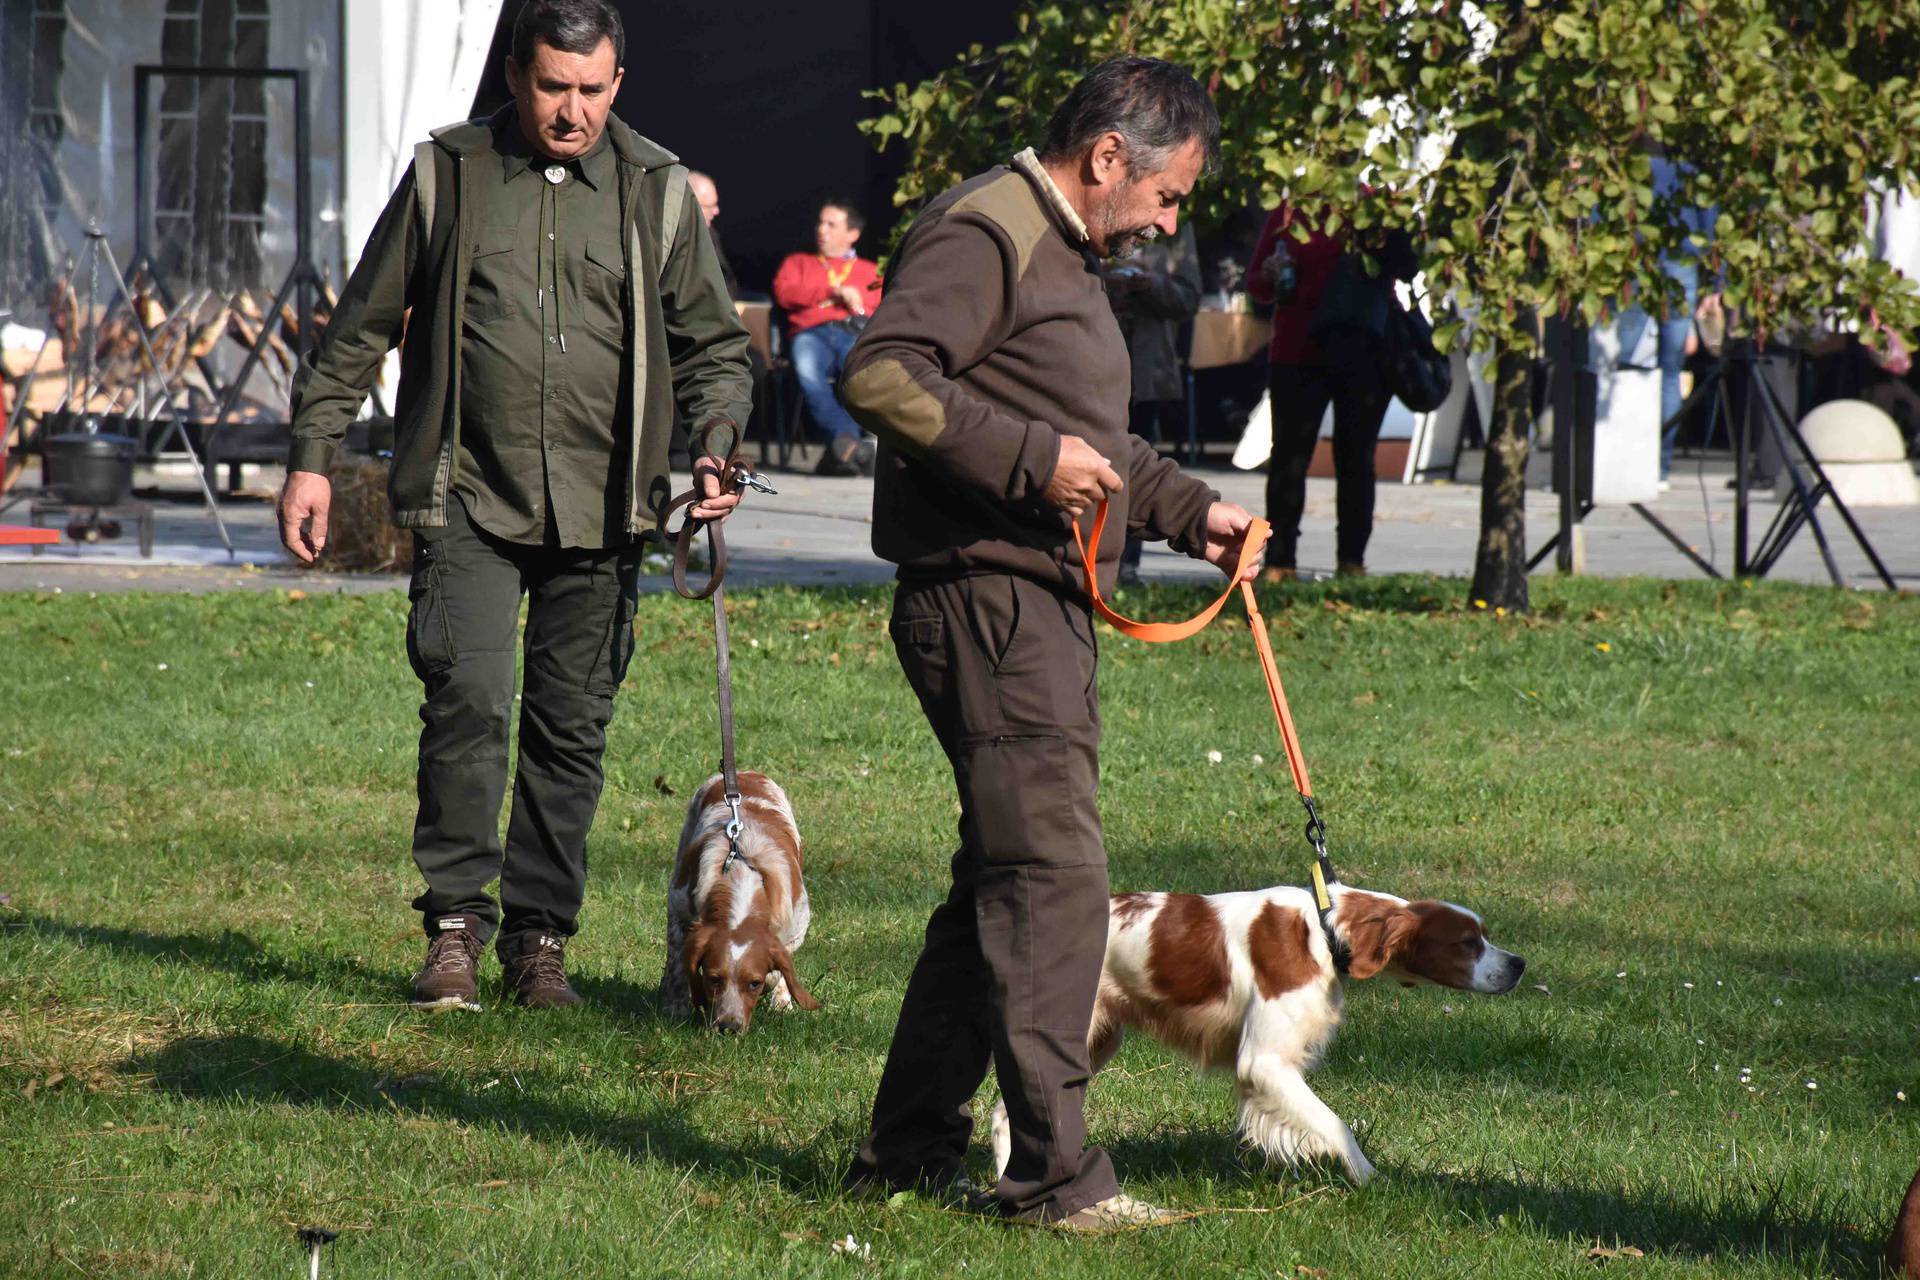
[1168, 222]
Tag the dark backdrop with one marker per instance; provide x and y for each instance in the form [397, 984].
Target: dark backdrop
[764, 97]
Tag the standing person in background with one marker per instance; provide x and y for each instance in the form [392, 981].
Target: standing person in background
[828, 296]
[1329, 322]
[1154, 292]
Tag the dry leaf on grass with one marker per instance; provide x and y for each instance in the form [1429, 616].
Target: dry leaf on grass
[1601, 1253]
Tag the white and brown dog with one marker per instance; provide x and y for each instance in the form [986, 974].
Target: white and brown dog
[1248, 982]
[732, 928]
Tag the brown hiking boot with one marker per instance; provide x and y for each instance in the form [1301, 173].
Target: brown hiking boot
[1275, 574]
[1350, 569]
[534, 973]
[450, 978]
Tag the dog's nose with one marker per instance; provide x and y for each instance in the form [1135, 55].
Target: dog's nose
[727, 1026]
[1519, 966]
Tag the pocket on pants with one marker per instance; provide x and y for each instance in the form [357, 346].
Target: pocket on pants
[1019, 802]
[616, 651]
[429, 640]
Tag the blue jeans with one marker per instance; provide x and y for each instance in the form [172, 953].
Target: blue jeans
[819, 354]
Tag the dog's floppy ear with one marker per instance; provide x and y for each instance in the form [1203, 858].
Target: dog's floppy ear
[693, 948]
[783, 961]
[1376, 930]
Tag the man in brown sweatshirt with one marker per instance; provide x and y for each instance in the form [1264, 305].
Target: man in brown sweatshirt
[997, 381]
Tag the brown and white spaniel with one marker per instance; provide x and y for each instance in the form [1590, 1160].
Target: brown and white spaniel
[732, 929]
[1247, 982]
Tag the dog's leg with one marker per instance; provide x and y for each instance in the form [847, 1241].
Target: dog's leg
[777, 991]
[1286, 1120]
[1279, 1114]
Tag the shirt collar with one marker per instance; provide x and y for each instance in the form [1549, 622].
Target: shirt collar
[517, 156]
[1028, 163]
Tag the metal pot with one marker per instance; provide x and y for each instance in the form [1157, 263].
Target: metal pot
[90, 468]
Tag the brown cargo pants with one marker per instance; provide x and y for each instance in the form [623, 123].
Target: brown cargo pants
[1005, 671]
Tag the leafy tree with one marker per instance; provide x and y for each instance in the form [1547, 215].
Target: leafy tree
[1516, 137]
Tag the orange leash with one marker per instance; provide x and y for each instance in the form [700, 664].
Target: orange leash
[1165, 632]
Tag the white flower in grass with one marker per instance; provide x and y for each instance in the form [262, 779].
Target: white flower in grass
[161, 667]
[309, 684]
[1687, 985]
[1258, 758]
[1621, 974]
[1899, 1095]
[1214, 757]
[1777, 1002]
[1813, 1084]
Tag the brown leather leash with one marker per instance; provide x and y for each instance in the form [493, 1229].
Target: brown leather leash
[1165, 632]
[738, 478]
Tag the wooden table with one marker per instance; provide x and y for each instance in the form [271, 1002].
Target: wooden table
[1227, 337]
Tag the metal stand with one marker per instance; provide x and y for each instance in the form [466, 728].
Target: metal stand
[97, 247]
[1764, 412]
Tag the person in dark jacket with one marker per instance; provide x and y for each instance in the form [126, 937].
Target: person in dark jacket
[1154, 293]
[1330, 316]
[559, 296]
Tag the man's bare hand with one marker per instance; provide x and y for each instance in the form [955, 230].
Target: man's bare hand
[716, 498]
[852, 298]
[305, 500]
[1081, 478]
[1227, 525]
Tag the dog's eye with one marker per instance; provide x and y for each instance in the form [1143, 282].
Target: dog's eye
[755, 985]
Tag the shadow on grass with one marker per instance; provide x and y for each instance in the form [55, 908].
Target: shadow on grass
[1745, 1219]
[241, 956]
[243, 1068]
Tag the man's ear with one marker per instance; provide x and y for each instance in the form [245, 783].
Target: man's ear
[513, 77]
[1107, 161]
[783, 961]
[853, 235]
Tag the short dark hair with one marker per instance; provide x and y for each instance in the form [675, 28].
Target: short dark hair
[571, 26]
[1156, 108]
[856, 221]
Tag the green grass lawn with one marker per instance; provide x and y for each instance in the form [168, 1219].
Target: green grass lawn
[1691, 807]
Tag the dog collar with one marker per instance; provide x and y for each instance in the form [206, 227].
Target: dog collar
[1323, 907]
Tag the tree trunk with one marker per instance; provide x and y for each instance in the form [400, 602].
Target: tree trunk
[1500, 565]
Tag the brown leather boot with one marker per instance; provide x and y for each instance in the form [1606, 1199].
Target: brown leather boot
[1350, 569]
[450, 977]
[534, 972]
[1274, 574]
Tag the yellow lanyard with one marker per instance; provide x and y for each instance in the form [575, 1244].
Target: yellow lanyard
[835, 281]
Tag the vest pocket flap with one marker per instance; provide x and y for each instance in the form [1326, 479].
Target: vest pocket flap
[607, 254]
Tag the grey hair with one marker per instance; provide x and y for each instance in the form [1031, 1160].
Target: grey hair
[571, 26]
[1156, 108]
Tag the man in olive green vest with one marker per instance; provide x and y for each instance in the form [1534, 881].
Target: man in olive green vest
[559, 296]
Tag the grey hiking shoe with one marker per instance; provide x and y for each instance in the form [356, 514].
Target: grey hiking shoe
[450, 977]
[534, 972]
[1118, 1213]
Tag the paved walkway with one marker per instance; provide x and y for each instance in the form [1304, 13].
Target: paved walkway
[815, 532]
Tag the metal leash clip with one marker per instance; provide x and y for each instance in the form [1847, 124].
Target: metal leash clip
[746, 478]
[734, 827]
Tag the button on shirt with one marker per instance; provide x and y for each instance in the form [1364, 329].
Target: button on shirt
[541, 459]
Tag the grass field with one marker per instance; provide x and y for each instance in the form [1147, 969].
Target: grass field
[1691, 807]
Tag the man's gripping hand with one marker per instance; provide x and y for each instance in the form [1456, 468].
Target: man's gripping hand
[1081, 478]
[1227, 525]
[305, 500]
[716, 499]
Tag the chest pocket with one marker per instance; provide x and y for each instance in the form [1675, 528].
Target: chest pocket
[495, 276]
[604, 283]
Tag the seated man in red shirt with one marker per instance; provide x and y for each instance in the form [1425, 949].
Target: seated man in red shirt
[828, 295]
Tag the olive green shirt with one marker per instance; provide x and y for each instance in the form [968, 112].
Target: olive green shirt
[541, 458]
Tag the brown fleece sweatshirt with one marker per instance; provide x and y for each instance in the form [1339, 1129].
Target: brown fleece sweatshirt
[996, 339]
